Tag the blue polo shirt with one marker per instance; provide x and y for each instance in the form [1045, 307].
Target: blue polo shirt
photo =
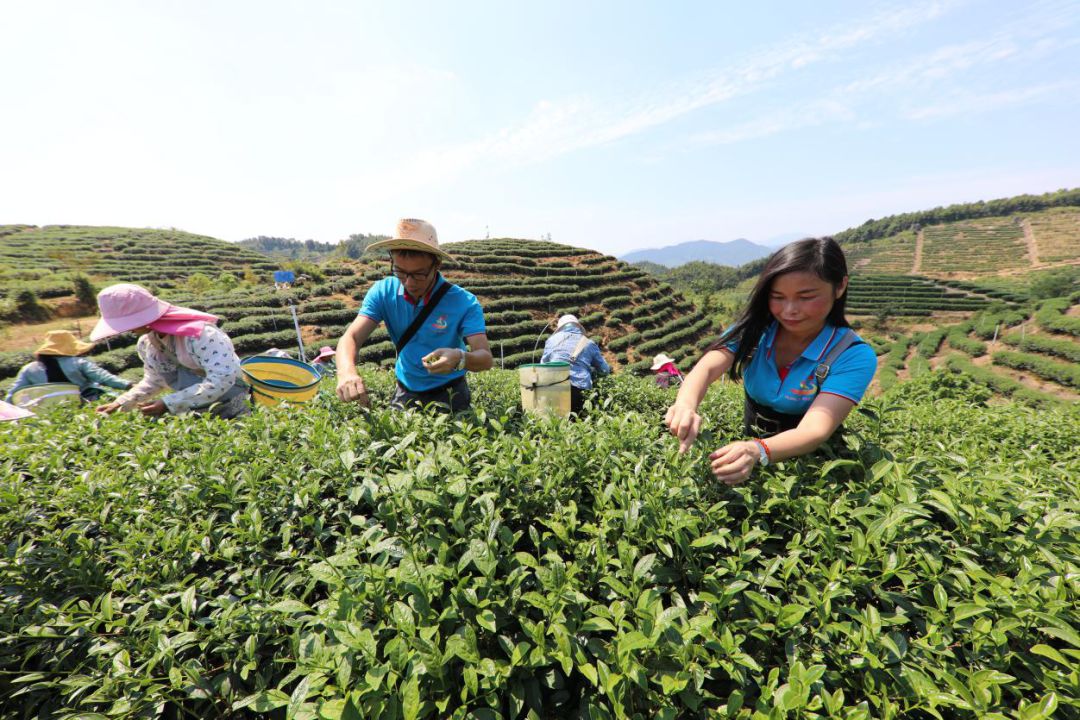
[849, 376]
[457, 316]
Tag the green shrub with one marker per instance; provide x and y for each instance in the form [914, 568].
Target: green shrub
[28, 309]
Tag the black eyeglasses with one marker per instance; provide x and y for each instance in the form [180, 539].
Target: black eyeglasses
[417, 276]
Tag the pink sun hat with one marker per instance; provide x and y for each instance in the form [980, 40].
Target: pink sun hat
[324, 352]
[127, 306]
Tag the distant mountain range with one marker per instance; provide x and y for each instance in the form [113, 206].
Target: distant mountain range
[733, 253]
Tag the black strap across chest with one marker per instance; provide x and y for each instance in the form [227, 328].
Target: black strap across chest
[426, 311]
[53, 372]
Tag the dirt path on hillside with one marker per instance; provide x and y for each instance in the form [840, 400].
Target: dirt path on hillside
[1032, 245]
[963, 275]
[916, 264]
[903, 374]
[29, 335]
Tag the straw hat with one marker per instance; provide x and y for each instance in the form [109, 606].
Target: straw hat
[63, 343]
[124, 307]
[413, 234]
[660, 361]
[567, 320]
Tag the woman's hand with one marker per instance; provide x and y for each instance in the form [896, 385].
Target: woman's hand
[108, 408]
[684, 423]
[154, 409]
[443, 360]
[734, 462]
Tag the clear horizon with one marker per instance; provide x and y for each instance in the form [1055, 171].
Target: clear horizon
[614, 126]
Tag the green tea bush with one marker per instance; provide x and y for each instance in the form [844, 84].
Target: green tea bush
[1066, 349]
[1054, 370]
[1051, 315]
[327, 561]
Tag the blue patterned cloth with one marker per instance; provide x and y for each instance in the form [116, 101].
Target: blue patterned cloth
[560, 346]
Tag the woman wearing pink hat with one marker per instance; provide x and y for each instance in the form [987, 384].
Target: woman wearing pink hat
[323, 362]
[181, 349]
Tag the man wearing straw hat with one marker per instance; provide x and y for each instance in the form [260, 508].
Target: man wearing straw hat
[57, 361]
[430, 320]
[570, 344]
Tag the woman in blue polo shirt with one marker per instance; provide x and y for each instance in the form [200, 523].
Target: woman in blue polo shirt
[803, 368]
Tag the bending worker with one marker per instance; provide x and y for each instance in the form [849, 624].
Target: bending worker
[429, 319]
[570, 344]
[57, 361]
[181, 349]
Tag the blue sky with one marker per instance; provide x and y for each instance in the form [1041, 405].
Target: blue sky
[609, 125]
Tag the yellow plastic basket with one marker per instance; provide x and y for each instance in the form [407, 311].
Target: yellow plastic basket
[274, 380]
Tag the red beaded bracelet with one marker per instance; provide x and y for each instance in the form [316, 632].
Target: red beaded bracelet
[762, 443]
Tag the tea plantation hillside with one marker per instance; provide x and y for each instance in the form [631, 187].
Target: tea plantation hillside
[328, 562]
[523, 285]
[1029, 353]
[45, 259]
[972, 248]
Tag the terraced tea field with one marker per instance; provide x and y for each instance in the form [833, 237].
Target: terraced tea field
[909, 295]
[523, 285]
[894, 255]
[982, 247]
[1056, 232]
[45, 259]
[974, 246]
[1034, 358]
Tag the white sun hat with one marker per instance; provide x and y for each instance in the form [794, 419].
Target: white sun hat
[567, 320]
[660, 361]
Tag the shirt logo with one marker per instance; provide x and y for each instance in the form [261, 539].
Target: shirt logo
[440, 323]
[806, 388]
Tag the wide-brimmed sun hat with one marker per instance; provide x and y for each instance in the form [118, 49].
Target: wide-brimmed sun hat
[660, 361]
[567, 320]
[126, 306]
[63, 343]
[413, 234]
[324, 352]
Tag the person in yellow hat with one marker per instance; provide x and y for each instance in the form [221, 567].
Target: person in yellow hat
[57, 361]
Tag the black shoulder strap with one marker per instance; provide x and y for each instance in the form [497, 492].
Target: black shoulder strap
[822, 370]
[419, 319]
[53, 372]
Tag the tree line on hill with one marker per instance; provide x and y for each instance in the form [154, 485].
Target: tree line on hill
[698, 277]
[351, 247]
[873, 229]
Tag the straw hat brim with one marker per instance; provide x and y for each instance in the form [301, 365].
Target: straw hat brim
[405, 244]
[64, 350]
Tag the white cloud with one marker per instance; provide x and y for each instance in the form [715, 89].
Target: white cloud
[555, 128]
[975, 103]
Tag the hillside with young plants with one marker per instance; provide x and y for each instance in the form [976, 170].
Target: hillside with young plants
[45, 259]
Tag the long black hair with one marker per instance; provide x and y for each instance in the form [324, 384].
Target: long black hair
[822, 257]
